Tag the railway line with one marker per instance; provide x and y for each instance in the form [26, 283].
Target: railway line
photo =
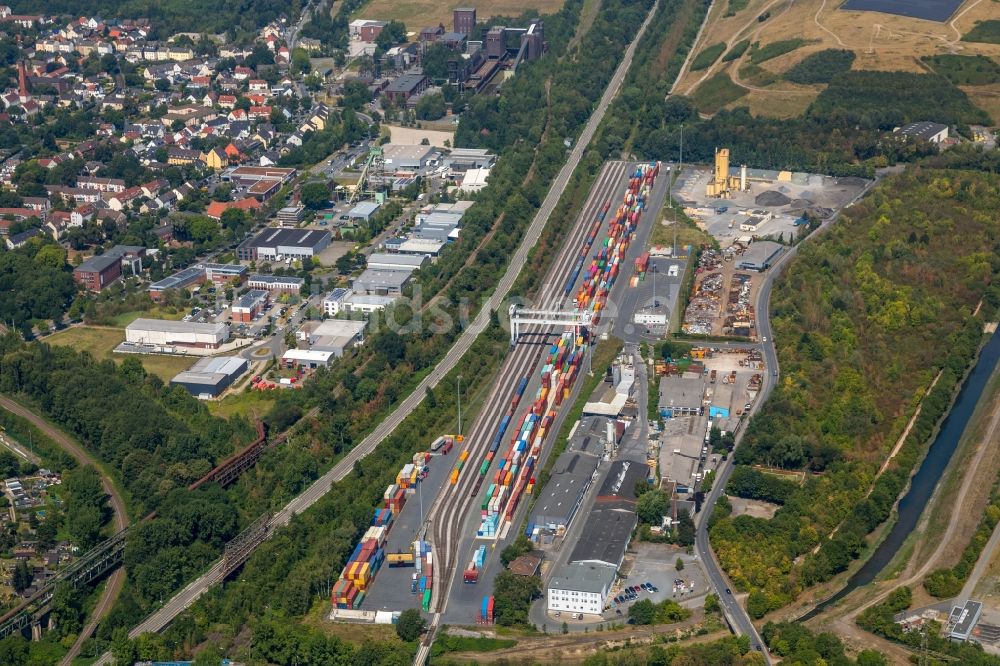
[455, 504]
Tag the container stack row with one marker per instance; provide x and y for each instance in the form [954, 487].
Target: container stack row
[485, 611]
[514, 475]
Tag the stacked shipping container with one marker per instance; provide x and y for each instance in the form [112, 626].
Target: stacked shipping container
[515, 471]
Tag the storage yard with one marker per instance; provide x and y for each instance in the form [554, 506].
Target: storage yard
[605, 241]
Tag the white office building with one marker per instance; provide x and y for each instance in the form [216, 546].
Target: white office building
[580, 587]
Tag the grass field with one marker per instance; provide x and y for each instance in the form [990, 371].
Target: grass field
[101, 341]
[126, 318]
[716, 93]
[243, 404]
[417, 14]
[896, 44]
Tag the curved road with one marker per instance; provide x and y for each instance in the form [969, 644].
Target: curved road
[321, 486]
[120, 517]
[734, 612]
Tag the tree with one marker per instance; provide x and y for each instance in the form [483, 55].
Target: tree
[712, 604]
[300, 61]
[410, 625]
[642, 612]
[315, 196]
[21, 578]
[651, 506]
[679, 564]
[122, 647]
[431, 107]
[685, 529]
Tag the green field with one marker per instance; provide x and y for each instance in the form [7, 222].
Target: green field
[821, 67]
[716, 93]
[244, 403]
[101, 341]
[987, 32]
[974, 70]
[707, 57]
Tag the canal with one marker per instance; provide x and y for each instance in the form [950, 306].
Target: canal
[926, 479]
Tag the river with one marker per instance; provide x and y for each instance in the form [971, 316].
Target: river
[926, 479]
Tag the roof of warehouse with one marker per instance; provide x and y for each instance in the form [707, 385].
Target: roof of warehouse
[581, 577]
[620, 482]
[277, 279]
[170, 326]
[760, 252]
[375, 277]
[273, 237]
[337, 327]
[398, 151]
[179, 278]
[605, 536]
[307, 355]
[408, 260]
[569, 478]
[211, 370]
[681, 391]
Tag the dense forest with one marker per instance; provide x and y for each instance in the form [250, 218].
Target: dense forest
[864, 319]
[36, 284]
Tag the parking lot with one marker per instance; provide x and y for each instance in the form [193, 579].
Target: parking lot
[656, 564]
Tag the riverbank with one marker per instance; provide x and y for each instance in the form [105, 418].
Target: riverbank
[971, 406]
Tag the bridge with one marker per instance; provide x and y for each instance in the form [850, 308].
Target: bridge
[521, 316]
[109, 555]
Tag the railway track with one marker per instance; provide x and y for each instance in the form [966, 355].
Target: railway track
[451, 509]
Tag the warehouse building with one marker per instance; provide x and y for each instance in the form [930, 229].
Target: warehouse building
[580, 588]
[927, 131]
[166, 333]
[209, 377]
[307, 358]
[420, 246]
[384, 261]
[558, 503]
[273, 243]
[463, 159]
[759, 256]
[381, 282]
[363, 211]
[406, 157]
[605, 537]
[276, 284]
[345, 300]
[334, 335]
[681, 396]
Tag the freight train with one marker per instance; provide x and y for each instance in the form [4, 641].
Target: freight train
[514, 476]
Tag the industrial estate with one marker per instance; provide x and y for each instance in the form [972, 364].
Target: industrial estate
[597, 333]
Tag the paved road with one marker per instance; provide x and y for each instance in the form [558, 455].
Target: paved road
[734, 612]
[120, 517]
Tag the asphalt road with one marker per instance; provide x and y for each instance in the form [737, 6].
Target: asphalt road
[734, 612]
[120, 517]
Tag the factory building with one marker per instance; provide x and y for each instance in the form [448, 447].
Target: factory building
[384, 261]
[400, 157]
[276, 284]
[166, 333]
[209, 377]
[381, 282]
[927, 131]
[273, 243]
[759, 256]
[681, 396]
[346, 301]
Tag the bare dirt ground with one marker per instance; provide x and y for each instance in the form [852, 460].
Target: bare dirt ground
[753, 508]
[412, 136]
[417, 14]
[880, 42]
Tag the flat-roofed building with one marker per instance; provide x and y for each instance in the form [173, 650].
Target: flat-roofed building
[681, 396]
[396, 262]
[381, 282]
[209, 377]
[280, 284]
[307, 358]
[168, 333]
[419, 246]
[273, 242]
[463, 159]
[182, 279]
[335, 335]
[759, 256]
[406, 157]
[345, 300]
[225, 273]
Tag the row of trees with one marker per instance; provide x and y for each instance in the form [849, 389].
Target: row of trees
[864, 318]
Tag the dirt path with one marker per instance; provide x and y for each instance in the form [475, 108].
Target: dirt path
[119, 519]
[576, 646]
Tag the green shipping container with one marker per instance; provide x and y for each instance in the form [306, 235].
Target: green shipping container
[427, 600]
[484, 468]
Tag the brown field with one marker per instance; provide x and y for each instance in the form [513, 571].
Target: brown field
[417, 14]
[896, 44]
[100, 342]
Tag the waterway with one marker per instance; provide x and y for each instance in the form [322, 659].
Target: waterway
[926, 479]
